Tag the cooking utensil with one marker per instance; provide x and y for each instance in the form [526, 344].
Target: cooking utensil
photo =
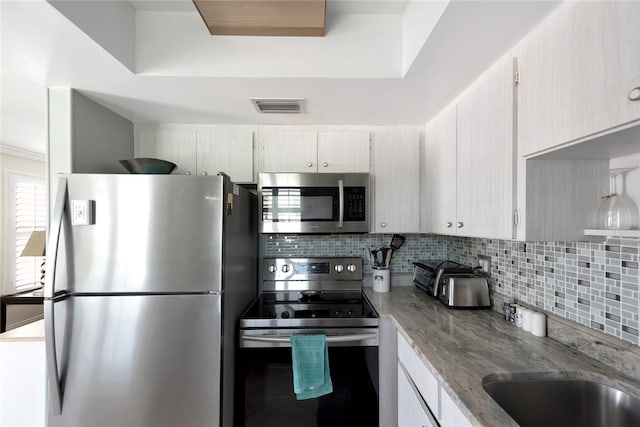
[387, 261]
[397, 241]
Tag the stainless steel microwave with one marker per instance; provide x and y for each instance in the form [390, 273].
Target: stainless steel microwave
[313, 202]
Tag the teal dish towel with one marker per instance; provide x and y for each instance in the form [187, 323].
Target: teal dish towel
[310, 366]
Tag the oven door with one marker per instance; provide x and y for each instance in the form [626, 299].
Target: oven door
[313, 203]
[265, 381]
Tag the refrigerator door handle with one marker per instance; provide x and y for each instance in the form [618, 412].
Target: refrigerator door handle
[55, 391]
[54, 237]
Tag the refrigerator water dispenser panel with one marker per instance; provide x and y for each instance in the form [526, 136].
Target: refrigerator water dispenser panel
[82, 212]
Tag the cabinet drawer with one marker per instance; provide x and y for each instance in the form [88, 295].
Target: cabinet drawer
[424, 380]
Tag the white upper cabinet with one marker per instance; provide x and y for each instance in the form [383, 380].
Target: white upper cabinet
[200, 149]
[304, 149]
[578, 70]
[468, 183]
[174, 145]
[485, 155]
[226, 149]
[343, 151]
[287, 149]
[395, 179]
[439, 177]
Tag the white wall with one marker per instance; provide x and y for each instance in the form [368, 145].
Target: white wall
[110, 23]
[84, 137]
[179, 44]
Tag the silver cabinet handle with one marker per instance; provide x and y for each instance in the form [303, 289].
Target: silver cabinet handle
[383, 224]
[204, 174]
[187, 173]
[449, 224]
[460, 224]
[309, 164]
[325, 164]
[634, 94]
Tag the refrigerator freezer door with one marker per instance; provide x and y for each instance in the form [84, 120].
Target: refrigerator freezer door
[146, 233]
[141, 361]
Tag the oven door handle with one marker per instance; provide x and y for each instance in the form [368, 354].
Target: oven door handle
[330, 338]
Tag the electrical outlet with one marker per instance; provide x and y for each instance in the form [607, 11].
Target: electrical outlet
[484, 261]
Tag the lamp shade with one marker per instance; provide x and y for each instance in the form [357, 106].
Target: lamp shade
[36, 244]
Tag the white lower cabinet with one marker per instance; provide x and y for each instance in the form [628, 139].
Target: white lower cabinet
[422, 401]
[412, 409]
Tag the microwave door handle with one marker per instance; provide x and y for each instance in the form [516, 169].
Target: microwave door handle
[340, 202]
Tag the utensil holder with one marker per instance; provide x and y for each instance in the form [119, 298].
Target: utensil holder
[381, 279]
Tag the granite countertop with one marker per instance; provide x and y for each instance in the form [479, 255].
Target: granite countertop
[461, 347]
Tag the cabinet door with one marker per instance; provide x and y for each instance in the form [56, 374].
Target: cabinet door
[576, 72]
[451, 415]
[283, 150]
[485, 155]
[175, 145]
[395, 181]
[226, 149]
[343, 151]
[438, 198]
[412, 410]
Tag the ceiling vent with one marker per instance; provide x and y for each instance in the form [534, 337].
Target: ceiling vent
[279, 105]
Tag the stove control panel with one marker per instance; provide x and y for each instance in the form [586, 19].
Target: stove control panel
[308, 269]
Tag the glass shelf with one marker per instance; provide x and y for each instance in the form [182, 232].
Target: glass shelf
[611, 233]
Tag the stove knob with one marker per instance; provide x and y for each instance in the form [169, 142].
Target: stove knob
[351, 268]
[273, 315]
[272, 268]
[339, 314]
[338, 268]
[351, 313]
[285, 268]
[285, 315]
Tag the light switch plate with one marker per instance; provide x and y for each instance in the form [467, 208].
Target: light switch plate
[82, 212]
[484, 261]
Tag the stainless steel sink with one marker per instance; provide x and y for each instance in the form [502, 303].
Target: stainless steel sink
[564, 402]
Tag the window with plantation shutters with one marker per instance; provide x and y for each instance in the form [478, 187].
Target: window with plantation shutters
[27, 211]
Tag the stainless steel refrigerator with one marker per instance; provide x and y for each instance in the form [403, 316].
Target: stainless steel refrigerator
[147, 276]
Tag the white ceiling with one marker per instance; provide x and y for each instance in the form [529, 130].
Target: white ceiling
[371, 84]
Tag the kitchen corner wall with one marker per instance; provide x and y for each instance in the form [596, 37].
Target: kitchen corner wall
[593, 284]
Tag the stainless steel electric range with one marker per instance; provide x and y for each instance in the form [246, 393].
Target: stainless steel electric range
[309, 296]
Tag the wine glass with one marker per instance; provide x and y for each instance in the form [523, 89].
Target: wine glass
[615, 212]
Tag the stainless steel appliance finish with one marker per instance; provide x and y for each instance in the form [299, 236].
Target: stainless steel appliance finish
[310, 296]
[564, 402]
[313, 202]
[142, 298]
[311, 292]
[428, 274]
[465, 291]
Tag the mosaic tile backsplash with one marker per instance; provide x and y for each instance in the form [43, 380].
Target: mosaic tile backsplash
[593, 284]
[417, 246]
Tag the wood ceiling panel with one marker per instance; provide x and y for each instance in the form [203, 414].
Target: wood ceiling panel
[263, 17]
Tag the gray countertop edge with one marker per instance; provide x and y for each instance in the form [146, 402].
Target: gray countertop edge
[462, 347]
